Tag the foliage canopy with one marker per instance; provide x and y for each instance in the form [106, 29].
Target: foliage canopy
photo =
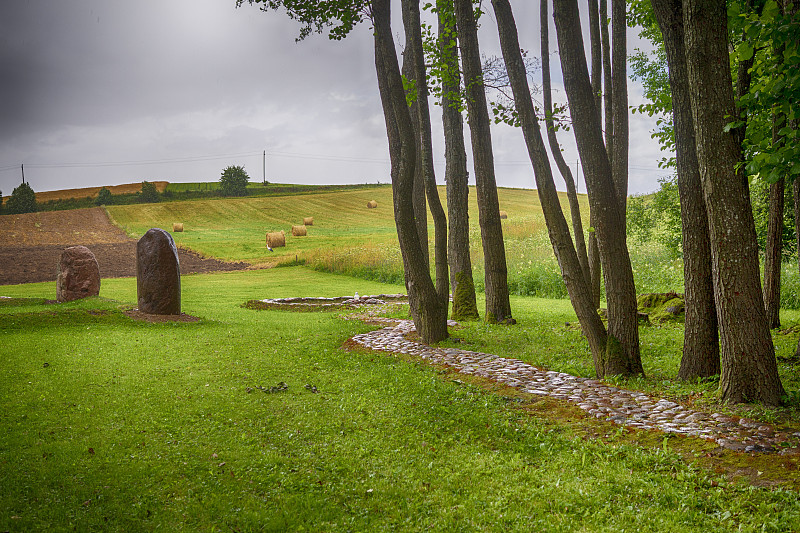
[233, 181]
[22, 200]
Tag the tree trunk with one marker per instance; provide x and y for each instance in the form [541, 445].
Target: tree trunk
[622, 351]
[796, 197]
[701, 337]
[418, 196]
[772, 255]
[557, 228]
[430, 317]
[411, 21]
[619, 75]
[555, 148]
[748, 367]
[456, 176]
[498, 307]
[608, 84]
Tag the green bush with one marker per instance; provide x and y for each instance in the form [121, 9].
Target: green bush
[233, 181]
[149, 193]
[104, 197]
[22, 200]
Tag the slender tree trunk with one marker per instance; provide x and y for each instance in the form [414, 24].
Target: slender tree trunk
[622, 351]
[796, 198]
[461, 282]
[608, 83]
[596, 53]
[555, 148]
[418, 197]
[498, 307]
[701, 337]
[748, 367]
[411, 21]
[774, 246]
[430, 317]
[557, 228]
[772, 255]
[619, 75]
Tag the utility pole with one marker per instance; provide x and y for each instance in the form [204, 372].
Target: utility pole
[22, 166]
[264, 168]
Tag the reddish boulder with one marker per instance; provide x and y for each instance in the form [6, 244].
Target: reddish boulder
[158, 274]
[78, 274]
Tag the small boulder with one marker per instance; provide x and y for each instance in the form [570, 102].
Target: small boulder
[158, 274]
[78, 274]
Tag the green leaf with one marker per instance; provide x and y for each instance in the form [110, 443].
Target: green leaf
[744, 51]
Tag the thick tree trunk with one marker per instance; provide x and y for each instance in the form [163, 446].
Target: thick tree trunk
[498, 307]
[557, 228]
[555, 148]
[456, 176]
[701, 337]
[748, 367]
[430, 317]
[619, 75]
[411, 21]
[772, 255]
[622, 351]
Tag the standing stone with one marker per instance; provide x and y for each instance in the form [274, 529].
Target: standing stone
[78, 274]
[158, 274]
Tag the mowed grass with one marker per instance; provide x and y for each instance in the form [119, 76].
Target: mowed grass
[117, 425]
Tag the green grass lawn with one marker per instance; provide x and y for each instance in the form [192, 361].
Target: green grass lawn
[116, 425]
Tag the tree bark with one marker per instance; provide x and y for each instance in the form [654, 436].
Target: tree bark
[772, 255]
[498, 306]
[430, 317]
[456, 176]
[622, 351]
[411, 21]
[557, 228]
[555, 148]
[701, 337]
[619, 102]
[748, 367]
[418, 195]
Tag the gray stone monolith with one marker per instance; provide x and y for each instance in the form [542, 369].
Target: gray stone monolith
[158, 274]
[78, 274]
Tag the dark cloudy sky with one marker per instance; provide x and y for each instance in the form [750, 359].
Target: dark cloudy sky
[102, 92]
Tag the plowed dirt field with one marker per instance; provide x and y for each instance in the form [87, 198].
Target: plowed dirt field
[31, 245]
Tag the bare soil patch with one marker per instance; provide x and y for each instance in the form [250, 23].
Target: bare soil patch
[31, 245]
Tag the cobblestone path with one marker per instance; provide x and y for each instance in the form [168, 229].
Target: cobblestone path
[623, 407]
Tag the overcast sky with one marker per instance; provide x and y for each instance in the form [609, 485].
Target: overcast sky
[104, 92]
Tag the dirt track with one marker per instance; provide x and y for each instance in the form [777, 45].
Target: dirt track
[31, 245]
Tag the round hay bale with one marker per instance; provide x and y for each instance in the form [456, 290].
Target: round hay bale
[177, 227]
[276, 239]
[299, 231]
[503, 215]
[308, 221]
[372, 204]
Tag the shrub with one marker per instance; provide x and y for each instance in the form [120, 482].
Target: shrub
[1, 202]
[104, 197]
[233, 181]
[149, 192]
[22, 200]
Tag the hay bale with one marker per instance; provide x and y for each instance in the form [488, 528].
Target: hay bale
[177, 227]
[503, 215]
[308, 221]
[372, 204]
[276, 239]
[299, 231]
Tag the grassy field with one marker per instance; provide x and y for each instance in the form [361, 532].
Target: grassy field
[117, 425]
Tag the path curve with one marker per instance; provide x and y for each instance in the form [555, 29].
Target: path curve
[622, 407]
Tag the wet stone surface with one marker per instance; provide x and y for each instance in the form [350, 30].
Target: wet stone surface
[619, 406]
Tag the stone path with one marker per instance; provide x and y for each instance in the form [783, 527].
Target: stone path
[623, 407]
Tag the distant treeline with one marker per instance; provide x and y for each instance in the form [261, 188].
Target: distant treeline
[191, 191]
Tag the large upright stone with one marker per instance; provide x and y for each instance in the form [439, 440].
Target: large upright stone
[158, 274]
[78, 274]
